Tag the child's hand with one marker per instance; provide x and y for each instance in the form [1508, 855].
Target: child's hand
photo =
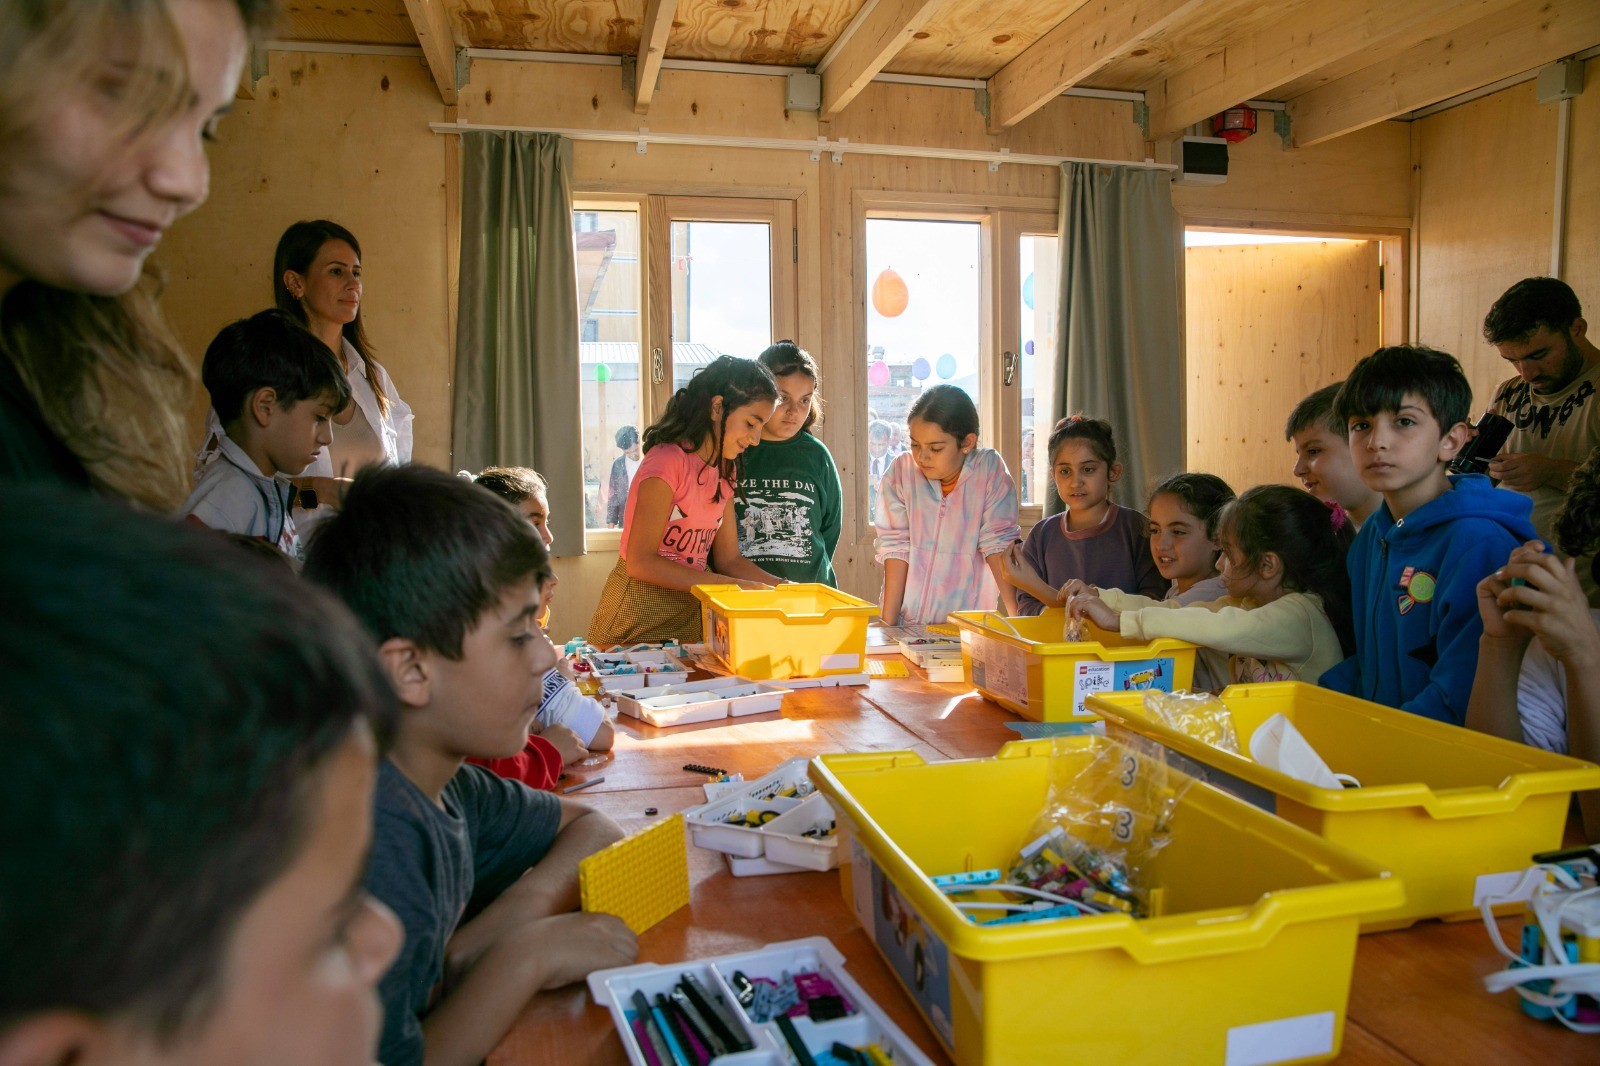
[572, 749]
[753, 586]
[1088, 604]
[575, 945]
[1017, 569]
[1490, 589]
[1551, 605]
[1077, 587]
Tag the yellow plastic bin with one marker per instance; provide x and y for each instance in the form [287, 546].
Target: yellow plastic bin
[1023, 664]
[1455, 813]
[793, 630]
[1250, 960]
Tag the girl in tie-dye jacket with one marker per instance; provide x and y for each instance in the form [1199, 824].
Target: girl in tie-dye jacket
[947, 511]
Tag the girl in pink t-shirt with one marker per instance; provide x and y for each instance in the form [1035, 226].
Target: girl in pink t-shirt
[680, 508]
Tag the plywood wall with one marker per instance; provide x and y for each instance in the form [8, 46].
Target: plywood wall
[1265, 325]
[344, 138]
[347, 137]
[1486, 189]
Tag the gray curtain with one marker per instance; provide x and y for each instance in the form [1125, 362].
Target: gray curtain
[516, 382]
[1120, 344]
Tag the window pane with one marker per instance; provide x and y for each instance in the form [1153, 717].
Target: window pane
[1040, 264]
[609, 355]
[721, 293]
[923, 303]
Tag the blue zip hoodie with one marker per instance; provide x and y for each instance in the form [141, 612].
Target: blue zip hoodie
[1414, 597]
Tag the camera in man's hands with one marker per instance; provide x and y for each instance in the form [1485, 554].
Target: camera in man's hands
[1488, 437]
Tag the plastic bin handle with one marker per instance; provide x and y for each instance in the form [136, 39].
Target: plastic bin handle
[1003, 621]
[707, 590]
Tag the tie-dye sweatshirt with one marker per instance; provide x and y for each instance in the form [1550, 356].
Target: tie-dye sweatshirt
[946, 540]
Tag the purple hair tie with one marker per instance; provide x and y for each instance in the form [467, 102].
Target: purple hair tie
[1339, 517]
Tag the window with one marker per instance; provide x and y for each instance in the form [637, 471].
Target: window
[609, 297]
[924, 325]
[725, 288]
[1038, 266]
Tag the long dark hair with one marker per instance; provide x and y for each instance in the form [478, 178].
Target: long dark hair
[297, 250]
[787, 357]
[687, 421]
[1308, 536]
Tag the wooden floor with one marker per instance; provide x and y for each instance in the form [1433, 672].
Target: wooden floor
[1416, 995]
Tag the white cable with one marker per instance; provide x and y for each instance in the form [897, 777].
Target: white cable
[1566, 977]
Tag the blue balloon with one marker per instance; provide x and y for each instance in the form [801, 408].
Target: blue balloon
[920, 369]
[947, 366]
[1027, 291]
[1028, 347]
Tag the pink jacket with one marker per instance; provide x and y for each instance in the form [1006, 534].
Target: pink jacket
[946, 540]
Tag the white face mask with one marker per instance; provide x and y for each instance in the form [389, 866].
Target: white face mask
[1278, 745]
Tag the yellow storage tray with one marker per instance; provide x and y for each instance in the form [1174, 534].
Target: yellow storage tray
[796, 630]
[1023, 664]
[1449, 810]
[1249, 961]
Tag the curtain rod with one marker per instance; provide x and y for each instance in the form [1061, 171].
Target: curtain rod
[835, 149]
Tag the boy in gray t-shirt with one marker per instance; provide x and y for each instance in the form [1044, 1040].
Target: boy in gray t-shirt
[481, 870]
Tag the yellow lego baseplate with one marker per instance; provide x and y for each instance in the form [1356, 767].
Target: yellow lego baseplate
[945, 629]
[887, 668]
[640, 879]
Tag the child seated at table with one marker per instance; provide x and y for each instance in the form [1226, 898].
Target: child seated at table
[191, 738]
[480, 869]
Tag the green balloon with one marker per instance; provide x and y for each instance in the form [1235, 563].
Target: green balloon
[602, 373]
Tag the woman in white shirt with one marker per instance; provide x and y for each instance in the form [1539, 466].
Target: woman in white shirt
[316, 277]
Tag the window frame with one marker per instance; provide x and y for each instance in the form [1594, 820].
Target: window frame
[657, 212]
[1003, 222]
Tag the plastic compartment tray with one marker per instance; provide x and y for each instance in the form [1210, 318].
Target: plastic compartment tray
[709, 700]
[613, 989]
[788, 843]
[1024, 665]
[709, 828]
[1449, 810]
[619, 670]
[1250, 958]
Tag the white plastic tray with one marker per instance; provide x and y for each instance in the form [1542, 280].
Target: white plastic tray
[919, 650]
[709, 823]
[614, 990]
[733, 696]
[787, 841]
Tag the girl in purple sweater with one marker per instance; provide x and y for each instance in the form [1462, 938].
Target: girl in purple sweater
[1093, 540]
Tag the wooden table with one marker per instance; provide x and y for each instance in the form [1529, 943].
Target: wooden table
[1416, 995]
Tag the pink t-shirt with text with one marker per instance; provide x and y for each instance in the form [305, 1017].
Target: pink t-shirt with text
[695, 517]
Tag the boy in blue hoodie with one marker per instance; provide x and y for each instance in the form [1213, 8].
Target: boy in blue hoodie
[1416, 564]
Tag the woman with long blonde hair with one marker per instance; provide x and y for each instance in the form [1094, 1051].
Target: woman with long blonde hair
[105, 108]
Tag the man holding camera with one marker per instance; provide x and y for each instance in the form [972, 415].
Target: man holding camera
[1553, 403]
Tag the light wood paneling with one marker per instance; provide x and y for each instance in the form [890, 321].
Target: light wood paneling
[1201, 35]
[1487, 184]
[1583, 205]
[437, 36]
[1265, 324]
[867, 46]
[969, 39]
[371, 22]
[345, 138]
[1362, 180]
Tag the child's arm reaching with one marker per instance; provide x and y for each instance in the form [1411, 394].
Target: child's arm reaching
[645, 561]
[894, 541]
[1020, 574]
[1000, 533]
[725, 550]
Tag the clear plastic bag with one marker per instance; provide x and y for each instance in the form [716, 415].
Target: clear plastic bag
[1105, 819]
[1195, 714]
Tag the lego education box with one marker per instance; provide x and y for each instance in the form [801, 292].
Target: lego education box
[1248, 959]
[1451, 811]
[1023, 664]
[792, 631]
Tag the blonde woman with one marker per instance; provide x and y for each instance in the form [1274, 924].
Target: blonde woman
[105, 108]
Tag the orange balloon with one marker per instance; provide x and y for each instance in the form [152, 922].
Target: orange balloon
[890, 294]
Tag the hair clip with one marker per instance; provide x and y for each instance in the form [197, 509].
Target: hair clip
[1070, 420]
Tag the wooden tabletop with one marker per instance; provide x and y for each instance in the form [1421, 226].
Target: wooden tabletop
[1416, 997]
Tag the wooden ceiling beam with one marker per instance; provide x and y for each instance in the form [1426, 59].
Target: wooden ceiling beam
[432, 25]
[1088, 39]
[1506, 43]
[1306, 39]
[871, 44]
[652, 50]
